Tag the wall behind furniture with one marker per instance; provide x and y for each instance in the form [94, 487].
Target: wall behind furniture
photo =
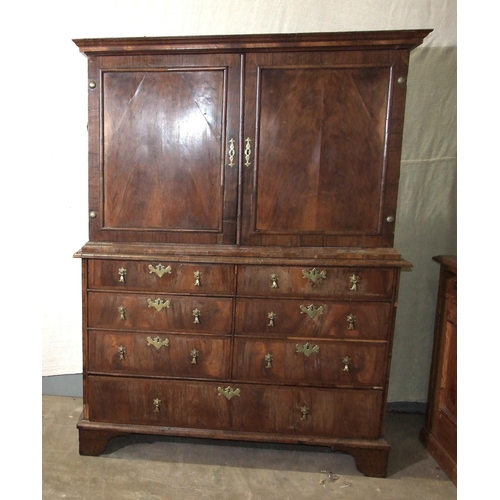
[52, 81]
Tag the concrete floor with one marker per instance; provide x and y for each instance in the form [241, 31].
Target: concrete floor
[162, 468]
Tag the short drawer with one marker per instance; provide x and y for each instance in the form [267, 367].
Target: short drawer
[158, 312]
[337, 413]
[174, 277]
[336, 282]
[313, 318]
[171, 355]
[306, 362]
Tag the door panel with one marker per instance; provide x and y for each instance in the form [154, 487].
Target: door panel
[320, 150]
[163, 144]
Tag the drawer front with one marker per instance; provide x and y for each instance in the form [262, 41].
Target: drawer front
[336, 282]
[157, 312]
[302, 362]
[341, 413]
[161, 355]
[174, 277]
[312, 318]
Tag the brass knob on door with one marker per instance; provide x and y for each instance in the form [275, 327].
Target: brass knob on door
[390, 219]
[92, 84]
[93, 215]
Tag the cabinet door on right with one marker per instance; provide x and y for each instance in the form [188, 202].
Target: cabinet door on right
[322, 142]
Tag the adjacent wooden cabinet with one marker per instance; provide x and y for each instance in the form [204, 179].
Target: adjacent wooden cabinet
[439, 434]
[240, 280]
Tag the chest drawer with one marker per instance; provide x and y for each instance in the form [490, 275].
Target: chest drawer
[336, 282]
[174, 277]
[168, 355]
[344, 413]
[312, 318]
[302, 362]
[158, 312]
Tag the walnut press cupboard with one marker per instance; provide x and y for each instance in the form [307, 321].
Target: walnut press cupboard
[240, 280]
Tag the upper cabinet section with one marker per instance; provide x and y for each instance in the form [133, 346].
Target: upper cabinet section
[288, 140]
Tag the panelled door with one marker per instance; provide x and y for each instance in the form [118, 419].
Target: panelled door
[321, 164]
[163, 138]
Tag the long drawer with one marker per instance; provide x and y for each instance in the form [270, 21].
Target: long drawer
[159, 312]
[312, 318]
[343, 283]
[237, 407]
[173, 277]
[171, 355]
[323, 363]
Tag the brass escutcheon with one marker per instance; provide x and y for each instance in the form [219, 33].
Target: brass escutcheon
[351, 320]
[159, 304]
[307, 349]
[231, 153]
[159, 270]
[312, 311]
[314, 275]
[248, 152]
[158, 342]
[228, 392]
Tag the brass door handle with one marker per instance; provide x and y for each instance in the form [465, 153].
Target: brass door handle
[347, 361]
[196, 314]
[354, 281]
[271, 317]
[351, 322]
[122, 272]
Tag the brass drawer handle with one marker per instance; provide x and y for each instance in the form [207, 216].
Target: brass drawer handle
[354, 281]
[231, 153]
[159, 304]
[121, 352]
[159, 270]
[122, 272]
[268, 358]
[271, 317]
[156, 404]
[307, 349]
[158, 342]
[312, 311]
[194, 356]
[351, 320]
[228, 392]
[197, 278]
[314, 275]
[248, 152]
[305, 411]
[274, 281]
[122, 310]
[347, 361]
[196, 314]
